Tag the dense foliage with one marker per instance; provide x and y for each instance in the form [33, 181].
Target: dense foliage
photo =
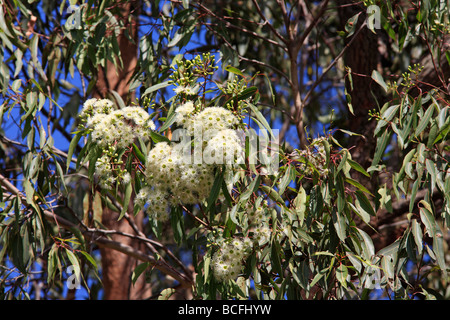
[232, 138]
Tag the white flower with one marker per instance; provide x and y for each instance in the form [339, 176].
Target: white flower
[185, 90]
[110, 126]
[262, 234]
[227, 262]
[126, 178]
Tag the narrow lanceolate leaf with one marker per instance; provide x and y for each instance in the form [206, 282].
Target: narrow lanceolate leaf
[126, 199]
[427, 218]
[341, 275]
[89, 258]
[358, 185]
[356, 166]
[138, 271]
[75, 263]
[215, 190]
[431, 168]
[367, 244]
[138, 154]
[382, 143]
[169, 121]
[438, 249]
[417, 234]
[340, 225]
[379, 79]
[253, 186]
[273, 194]
[287, 178]
[72, 146]
[156, 87]
[262, 120]
[166, 294]
[234, 70]
[300, 204]
[364, 203]
[423, 123]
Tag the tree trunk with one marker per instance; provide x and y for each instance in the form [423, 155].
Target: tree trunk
[362, 57]
[118, 267]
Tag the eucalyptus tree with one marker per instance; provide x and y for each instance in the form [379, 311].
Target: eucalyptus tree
[224, 149]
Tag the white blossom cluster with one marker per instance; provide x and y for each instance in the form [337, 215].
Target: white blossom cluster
[227, 261]
[257, 219]
[115, 127]
[112, 129]
[175, 174]
[171, 178]
[314, 157]
[215, 128]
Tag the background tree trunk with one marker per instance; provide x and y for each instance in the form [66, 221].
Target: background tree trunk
[362, 57]
[118, 267]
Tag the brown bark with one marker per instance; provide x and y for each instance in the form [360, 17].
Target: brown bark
[362, 57]
[117, 267]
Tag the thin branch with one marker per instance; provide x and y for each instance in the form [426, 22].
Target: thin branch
[102, 241]
[318, 81]
[275, 32]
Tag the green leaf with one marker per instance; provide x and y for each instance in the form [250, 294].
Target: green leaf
[138, 154]
[138, 271]
[318, 276]
[166, 294]
[273, 194]
[358, 185]
[247, 93]
[356, 166]
[433, 134]
[406, 160]
[262, 120]
[341, 275]
[234, 70]
[155, 88]
[382, 143]
[364, 203]
[438, 249]
[431, 168]
[89, 258]
[427, 218]
[118, 99]
[276, 254]
[126, 199]
[185, 4]
[74, 261]
[215, 190]
[253, 186]
[52, 263]
[156, 137]
[340, 225]
[169, 121]
[379, 79]
[288, 177]
[386, 117]
[417, 234]
[350, 26]
[423, 123]
[72, 146]
[300, 204]
[367, 244]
